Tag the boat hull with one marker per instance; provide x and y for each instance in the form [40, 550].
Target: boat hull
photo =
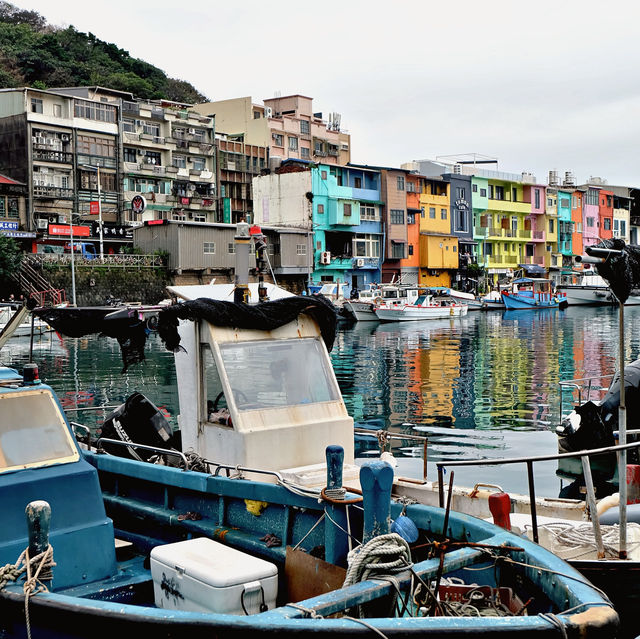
[361, 311]
[415, 313]
[515, 302]
[593, 296]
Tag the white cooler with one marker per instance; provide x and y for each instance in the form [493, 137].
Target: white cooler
[202, 575]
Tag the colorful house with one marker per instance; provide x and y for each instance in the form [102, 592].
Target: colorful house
[535, 249]
[590, 215]
[480, 204]
[410, 265]
[438, 246]
[605, 214]
[576, 232]
[565, 226]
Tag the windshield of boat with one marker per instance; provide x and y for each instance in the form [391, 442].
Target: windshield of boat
[33, 431]
[276, 373]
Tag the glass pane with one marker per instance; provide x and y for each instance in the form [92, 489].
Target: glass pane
[277, 373]
[42, 437]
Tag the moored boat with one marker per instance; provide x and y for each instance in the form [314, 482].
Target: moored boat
[590, 289]
[426, 306]
[532, 294]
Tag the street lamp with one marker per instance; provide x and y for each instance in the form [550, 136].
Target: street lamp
[97, 170]
[73, 271]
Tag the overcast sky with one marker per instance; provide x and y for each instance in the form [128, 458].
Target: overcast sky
[539, 85]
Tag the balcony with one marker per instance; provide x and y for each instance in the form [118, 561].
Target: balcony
[50, 155]
[538, 236]
[96, 160]
[510, 206]
[533, 259]
[52, 192]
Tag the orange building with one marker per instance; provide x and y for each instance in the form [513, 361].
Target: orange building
[410, 266]
[605, 206]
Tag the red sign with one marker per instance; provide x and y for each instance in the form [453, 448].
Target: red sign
[94, 208]
[138, 204]
[65, 229]
[184, 200]
[255, 230]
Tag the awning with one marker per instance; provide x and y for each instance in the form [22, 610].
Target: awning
[364, 201]
[533, 269]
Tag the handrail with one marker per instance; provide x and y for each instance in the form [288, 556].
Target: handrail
[529, 461]
[242, 469]
[118, 442]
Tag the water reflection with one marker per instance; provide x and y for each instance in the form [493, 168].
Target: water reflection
[485, 385]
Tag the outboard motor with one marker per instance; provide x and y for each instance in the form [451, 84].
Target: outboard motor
[139, 421]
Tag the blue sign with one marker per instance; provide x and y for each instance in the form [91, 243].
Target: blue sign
[8, 226]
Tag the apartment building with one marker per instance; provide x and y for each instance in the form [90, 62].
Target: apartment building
[287, 126]
[238, 163]
[13, 212]
[54, 143]
[535, 249]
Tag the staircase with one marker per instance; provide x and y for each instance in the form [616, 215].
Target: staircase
[35, 285]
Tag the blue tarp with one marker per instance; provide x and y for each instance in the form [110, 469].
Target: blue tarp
[533, 269]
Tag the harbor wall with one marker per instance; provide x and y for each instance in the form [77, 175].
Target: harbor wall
[94, 284]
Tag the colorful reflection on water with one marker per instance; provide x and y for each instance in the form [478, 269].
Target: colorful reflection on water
[485, 385]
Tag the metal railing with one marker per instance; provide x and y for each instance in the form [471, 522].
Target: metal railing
[586, 385]
[161, 451]
[529, 461]
[140, 261]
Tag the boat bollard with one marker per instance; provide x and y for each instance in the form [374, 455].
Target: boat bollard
[376, 479]
[38, 524]
[336, 543]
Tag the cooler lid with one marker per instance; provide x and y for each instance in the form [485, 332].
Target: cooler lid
[213, 563]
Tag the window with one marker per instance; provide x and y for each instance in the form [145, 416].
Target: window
[491, 191]
[397, 251]
[397, 216]
[320, 209]
[422, 213]
[432, 212]
[536, 198]
[443, 214]
[365, 245]
[514, 194]
[548, 248]
[57, 110]
[256, 115]
[231, 248]
[410, 249]
[278, 140]
[357, 183]
[368, 213]
[590, 222]
[36, 105]
[198, 164]
[460, 192]
[579, 227]
[607, 223]
[499, 192]
[551, 226]
[209, 248]
[130, 155]
[488, 249]
[623, 226]
[128, 125]
[91, 145]
[293, 144]
[304, 152]
[323, 175]
[400, 183]
[460, 225]
[153, 157]
[346, 210]
[318, 147]
[301, 249]
[304, 127]
[608, 200]
[94, 111]
[574, 202]
[483, 192]
[474, 188]
[180, 161]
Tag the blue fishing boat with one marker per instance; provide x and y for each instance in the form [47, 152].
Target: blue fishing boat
[529, 293]
[95, 544]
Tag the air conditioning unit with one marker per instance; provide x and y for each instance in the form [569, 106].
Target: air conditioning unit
[53, 219]
[192, 131]
[359, 262]
[42, 225]
[62, 219]
[268, 112]
[65, 137]
[138, 122]
[141, 151]
[191, 187]
[325, 258]
[44, 169]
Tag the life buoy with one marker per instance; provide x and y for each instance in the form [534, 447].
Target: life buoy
[377, 300]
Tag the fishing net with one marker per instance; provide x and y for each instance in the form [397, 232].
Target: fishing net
[621, 270]
[266, 316]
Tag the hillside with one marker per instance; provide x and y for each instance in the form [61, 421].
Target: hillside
[33, 53]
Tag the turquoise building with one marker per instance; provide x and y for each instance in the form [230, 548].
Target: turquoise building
[565, 224]
[347, 225]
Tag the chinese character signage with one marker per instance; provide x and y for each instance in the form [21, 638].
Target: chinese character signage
[8, 226]
[65, 229]
[94, 208]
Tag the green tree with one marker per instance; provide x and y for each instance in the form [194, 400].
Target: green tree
[10, 258]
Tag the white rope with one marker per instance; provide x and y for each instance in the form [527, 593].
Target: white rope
[383, 555]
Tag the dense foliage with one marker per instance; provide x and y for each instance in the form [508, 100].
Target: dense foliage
[10, 258]
[33, 53]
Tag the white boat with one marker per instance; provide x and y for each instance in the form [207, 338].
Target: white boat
[590, 289]
[24, 328]
[427, 306]
[363, 309]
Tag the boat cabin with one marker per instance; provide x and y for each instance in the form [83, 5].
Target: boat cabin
[245, 392]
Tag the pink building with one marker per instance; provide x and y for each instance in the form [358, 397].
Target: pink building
[590, 216]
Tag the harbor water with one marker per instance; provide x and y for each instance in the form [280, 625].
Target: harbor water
[481, 386]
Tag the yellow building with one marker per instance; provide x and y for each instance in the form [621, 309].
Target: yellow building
[438, 246]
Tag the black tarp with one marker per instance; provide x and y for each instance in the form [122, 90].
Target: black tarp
[620, 270]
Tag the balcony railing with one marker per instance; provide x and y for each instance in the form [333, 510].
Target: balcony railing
[52, 192]
[50, 155]
[138, 261]
[538, 235]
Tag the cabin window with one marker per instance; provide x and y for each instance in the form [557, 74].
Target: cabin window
[278, 373]
[40, 440]
[215, 408]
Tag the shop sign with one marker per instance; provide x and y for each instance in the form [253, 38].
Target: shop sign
[65, 229]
